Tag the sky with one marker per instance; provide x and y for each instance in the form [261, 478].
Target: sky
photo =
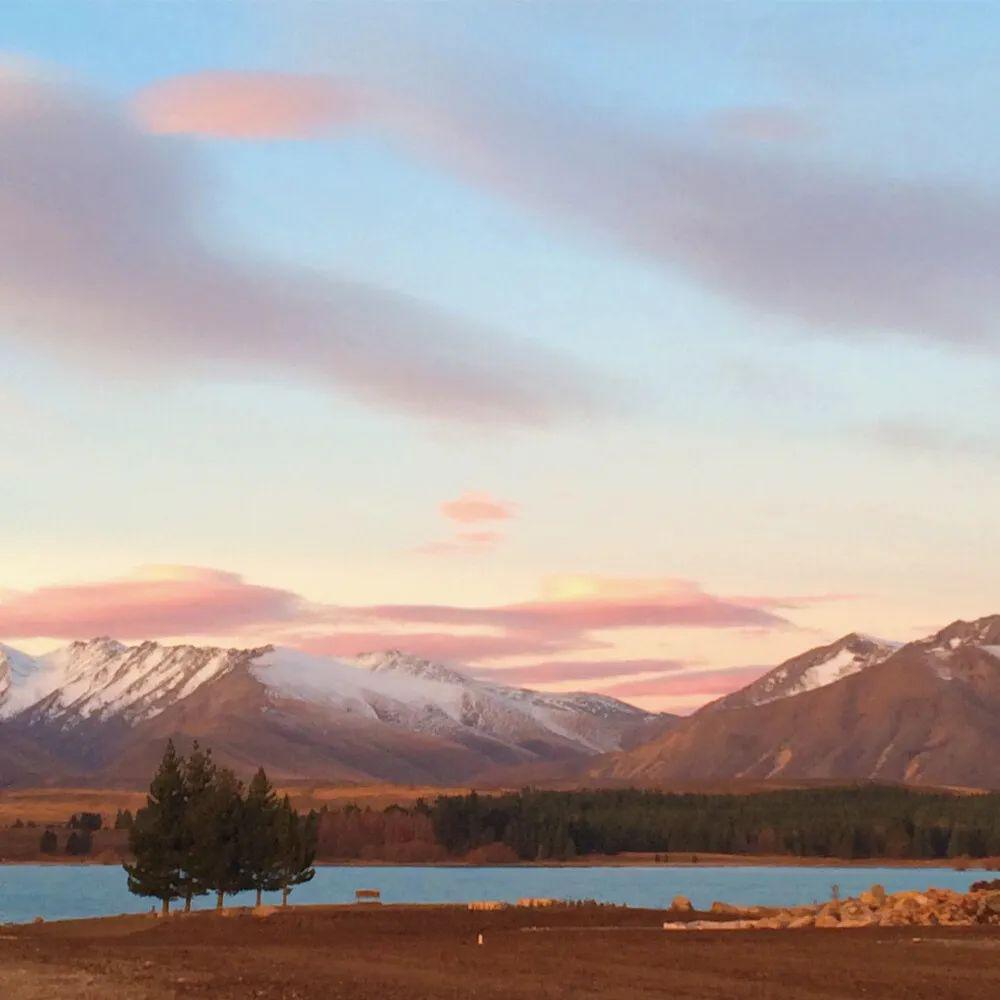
[622, 347]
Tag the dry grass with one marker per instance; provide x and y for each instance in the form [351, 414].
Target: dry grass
[56, 805]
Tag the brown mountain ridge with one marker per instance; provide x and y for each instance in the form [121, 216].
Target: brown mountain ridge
[927, 713]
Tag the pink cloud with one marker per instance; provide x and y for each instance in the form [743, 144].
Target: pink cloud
[246, 105]
[556, 671]
[162, 601]
[107, 266]
[609, 605]
[179, 601]
[840, 250]
[448, 646]
[463, 543]
[470, 508]
[703, 684]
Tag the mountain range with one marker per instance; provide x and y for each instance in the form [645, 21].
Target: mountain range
[923, 713]
[101, 710]
[858, 709]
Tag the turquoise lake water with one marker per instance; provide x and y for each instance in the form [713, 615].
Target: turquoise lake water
[62, 891]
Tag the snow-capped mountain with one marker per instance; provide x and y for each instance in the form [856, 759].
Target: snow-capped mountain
[924, 713]
[103, 679]
[811, 670]
[358, 716]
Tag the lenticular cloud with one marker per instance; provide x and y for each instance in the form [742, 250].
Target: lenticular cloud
[105, 263]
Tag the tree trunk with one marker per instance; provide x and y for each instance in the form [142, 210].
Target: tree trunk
[284, 895]
[187, 902]
[165, 906]
[219, 897]
[258, 895]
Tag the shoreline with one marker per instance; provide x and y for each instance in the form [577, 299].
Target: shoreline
[610, 861]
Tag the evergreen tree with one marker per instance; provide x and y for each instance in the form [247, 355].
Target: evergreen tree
[199, 775]
[296, 849]
[215, 832]
[48, 843]
[259, 833]
[123, 820]
[85, 821]
[156, 835]
[79, 842]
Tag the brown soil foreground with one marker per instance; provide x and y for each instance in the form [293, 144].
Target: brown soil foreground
[412, 953]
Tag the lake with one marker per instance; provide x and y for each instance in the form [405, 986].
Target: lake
[62, 891]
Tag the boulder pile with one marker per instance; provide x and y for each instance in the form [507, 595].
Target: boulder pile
[872, 908]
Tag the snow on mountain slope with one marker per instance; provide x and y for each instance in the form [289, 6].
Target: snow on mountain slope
[924, 714]
[428, 697]
[983, 633]
[813, 669]
[16, 669]
[103, 680]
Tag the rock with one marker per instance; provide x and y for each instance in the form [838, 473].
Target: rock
[264, 911]
[38, 920]
[873, 898]
[720, 925]
[806, 920]
[726, 909]
[991, 901]
[861, 920]
[681, 904]
[488, 904]
[769, 924]
[825, 920]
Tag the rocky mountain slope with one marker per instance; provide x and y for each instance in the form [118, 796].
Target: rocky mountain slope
[924, 713]
[100, 710]
[811, 670]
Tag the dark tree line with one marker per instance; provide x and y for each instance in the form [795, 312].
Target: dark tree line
[201, 831]
[852, 822]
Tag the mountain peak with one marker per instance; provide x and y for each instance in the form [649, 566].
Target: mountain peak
[983, 631]
[396, 661]
[813, 669]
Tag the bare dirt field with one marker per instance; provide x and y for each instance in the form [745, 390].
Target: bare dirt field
[411, 953]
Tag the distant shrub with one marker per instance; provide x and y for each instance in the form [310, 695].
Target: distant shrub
[79, 843]
[85, 821]
[48, 843]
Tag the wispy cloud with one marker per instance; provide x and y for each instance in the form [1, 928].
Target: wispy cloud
[462, 543]
[701, 684]
[916, 437]
[156, 601]
[240, 105]
[764, 124]
[560, 671]
[179, 601]
[844, 252]
[472, 507]
[104, 263]
[455, 647]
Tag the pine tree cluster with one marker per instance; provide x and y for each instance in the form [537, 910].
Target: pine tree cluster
[850, 822]
[202, 832]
